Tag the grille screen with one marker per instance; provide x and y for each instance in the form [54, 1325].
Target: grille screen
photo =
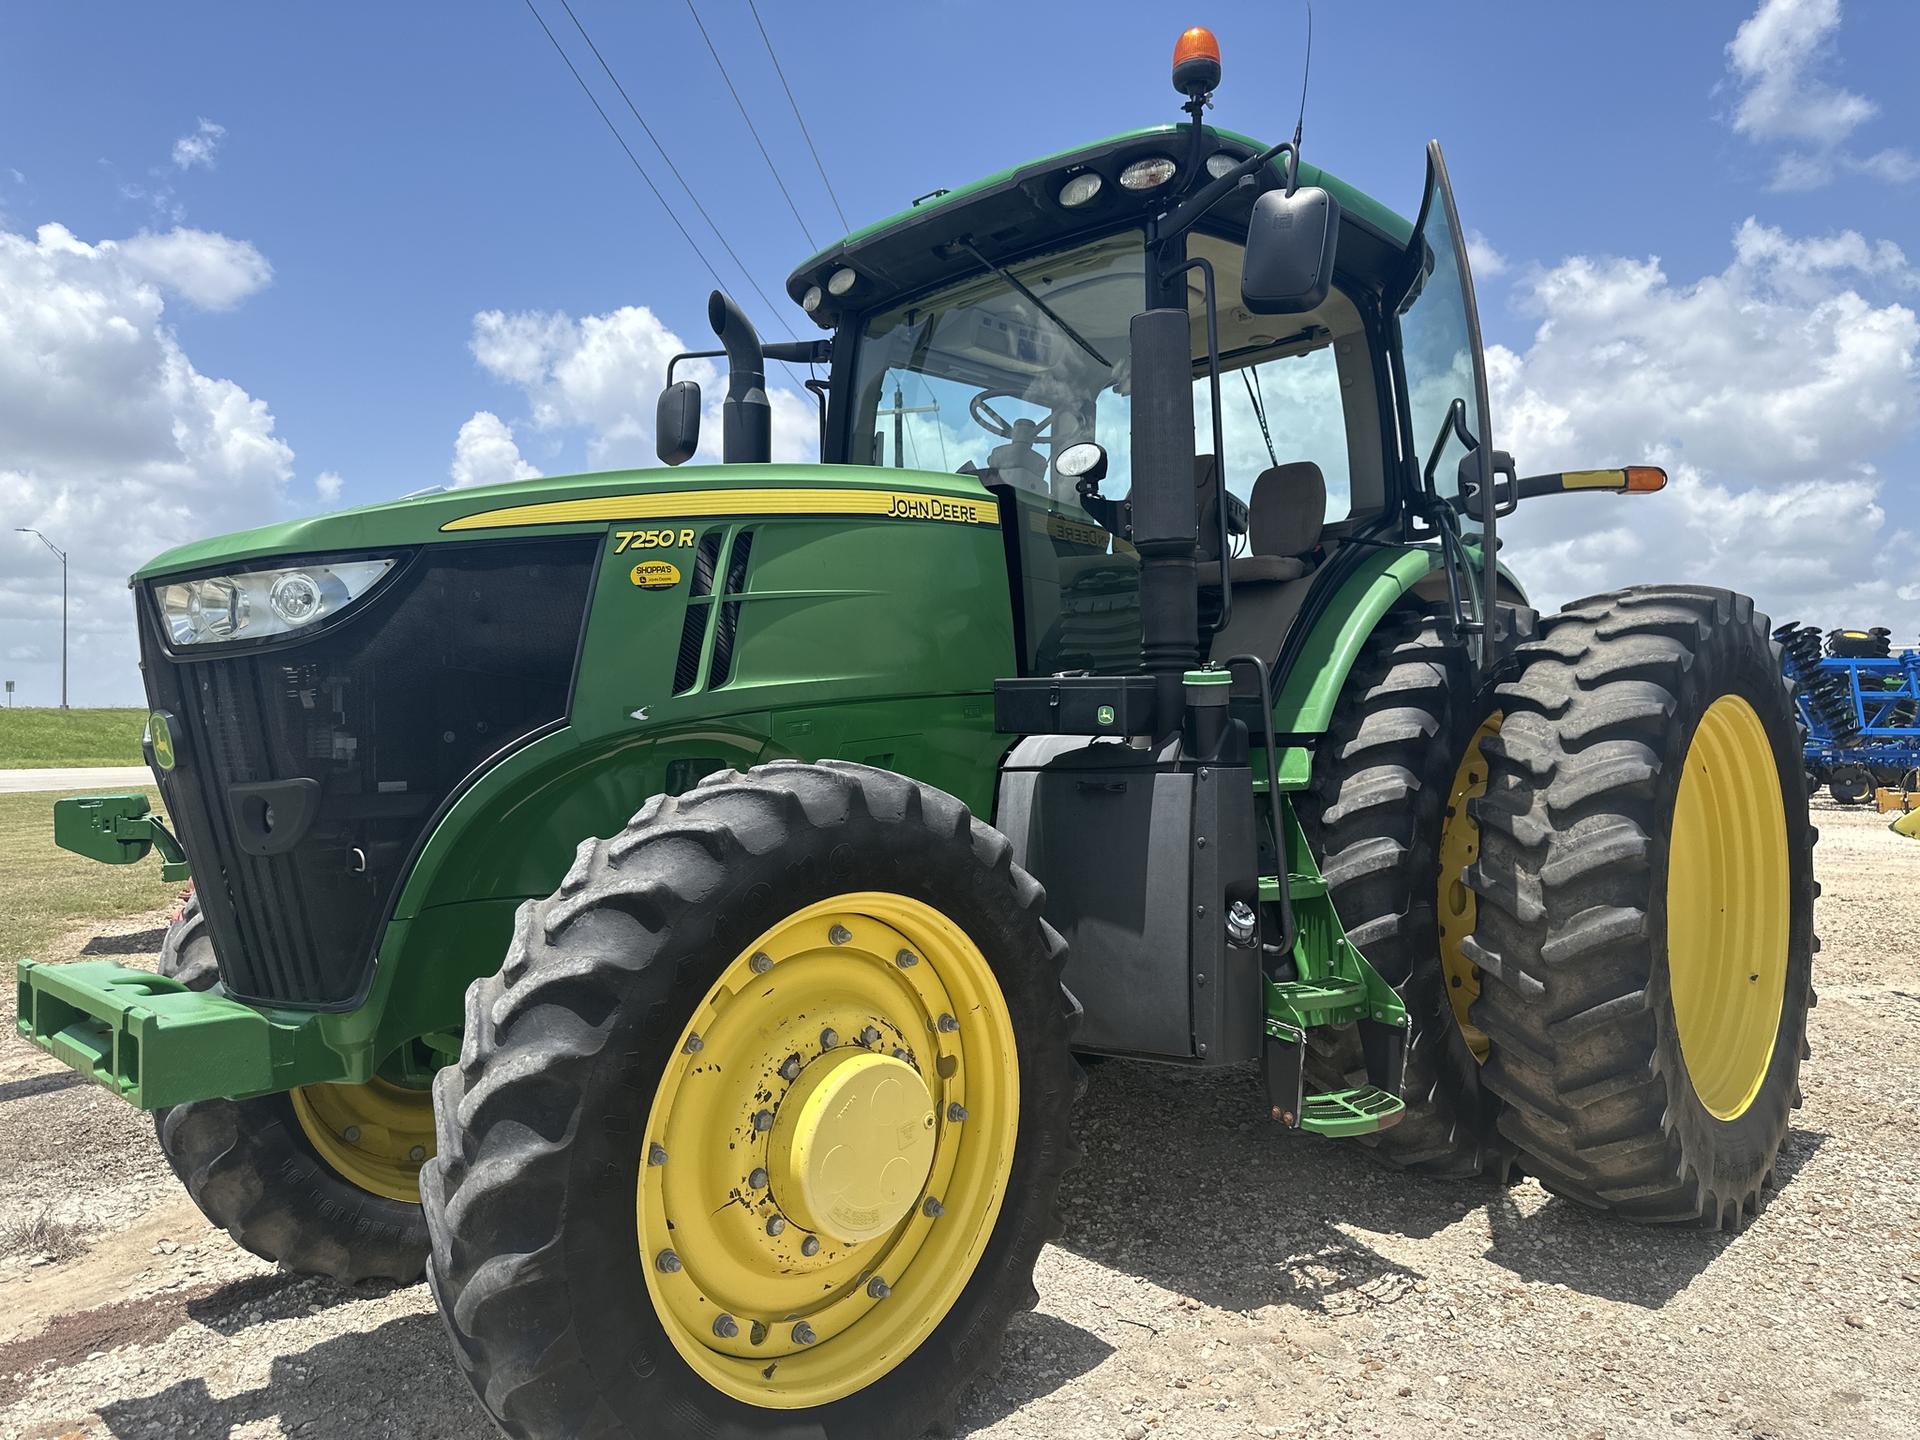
[308, 774]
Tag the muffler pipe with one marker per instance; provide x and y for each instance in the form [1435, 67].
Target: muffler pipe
[746, 417]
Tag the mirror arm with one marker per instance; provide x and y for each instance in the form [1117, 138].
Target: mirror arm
[691, 355]
[1182, 219]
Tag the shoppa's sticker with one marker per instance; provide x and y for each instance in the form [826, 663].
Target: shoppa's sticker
[655, 575]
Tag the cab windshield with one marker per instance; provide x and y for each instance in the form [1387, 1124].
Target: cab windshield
[980, 377]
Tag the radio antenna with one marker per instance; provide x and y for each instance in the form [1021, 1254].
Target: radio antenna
[1306, 70]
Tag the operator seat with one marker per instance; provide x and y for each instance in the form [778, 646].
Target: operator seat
[1285, 517]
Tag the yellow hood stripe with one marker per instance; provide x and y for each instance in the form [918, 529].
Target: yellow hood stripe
[896, 504]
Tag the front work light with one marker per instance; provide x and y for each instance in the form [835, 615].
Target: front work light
[841, 281]
[262, 604]
[1148, 174]
[810, 301]
[1080, 189]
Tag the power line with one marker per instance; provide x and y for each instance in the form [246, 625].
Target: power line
[621, 140]
[773, 169]
[778, 315]
[766, 40]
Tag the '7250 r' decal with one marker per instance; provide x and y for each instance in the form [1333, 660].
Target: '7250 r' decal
[650, 539]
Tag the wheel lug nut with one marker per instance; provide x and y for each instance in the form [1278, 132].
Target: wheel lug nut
[790, 1068]
[803, 1334]
[763, 1120]
[900, 1054]
[906, 959]
[417, 1154]
[933, 1209]
[878, 1288]
[839, 935]
[760, 963]
[829, 1038]
[758, 1179]
[694, 1045]
[776, 1224]
[725, 1326]
[351, 1135]
[946, 1024]
[810, 1246]
[656, 1155]
[869, 1036]
[956, 1113]
[667, 1262]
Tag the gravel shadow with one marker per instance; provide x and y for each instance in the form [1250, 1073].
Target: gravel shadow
[1563, 1243]
[396, 1380]
[1042, 1353]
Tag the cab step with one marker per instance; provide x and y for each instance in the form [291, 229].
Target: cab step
[1351, 1112]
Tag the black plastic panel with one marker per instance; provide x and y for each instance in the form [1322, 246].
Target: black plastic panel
[466, 651]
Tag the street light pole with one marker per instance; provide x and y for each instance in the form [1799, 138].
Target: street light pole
[63, 607]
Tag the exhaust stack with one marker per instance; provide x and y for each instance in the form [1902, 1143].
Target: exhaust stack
[746, 418]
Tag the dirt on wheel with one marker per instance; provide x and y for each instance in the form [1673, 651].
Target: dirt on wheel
[1218, 1277]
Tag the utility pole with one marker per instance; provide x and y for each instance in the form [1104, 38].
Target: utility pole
[63, 607]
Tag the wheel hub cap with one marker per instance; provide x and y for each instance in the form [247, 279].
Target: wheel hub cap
[853, 1144]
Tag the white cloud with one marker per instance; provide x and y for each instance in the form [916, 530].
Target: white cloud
[113, 444]
[1777, 57]
[199, 146]
[603, 373]
[484, 453]
[327, 485]
[1485, 260]
[1769, 390]
[212, 271]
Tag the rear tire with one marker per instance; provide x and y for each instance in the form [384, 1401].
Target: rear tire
[251, 1169]
[567, 1319]
[1374, 820]
[1647, 859]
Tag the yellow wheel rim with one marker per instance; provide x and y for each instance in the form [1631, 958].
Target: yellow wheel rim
[1457, 907]
[1728, 907]
[828, 1150]
[375, 1136]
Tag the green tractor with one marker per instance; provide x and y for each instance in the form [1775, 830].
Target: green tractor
[664, 907]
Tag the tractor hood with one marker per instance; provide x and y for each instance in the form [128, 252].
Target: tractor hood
[571, 504]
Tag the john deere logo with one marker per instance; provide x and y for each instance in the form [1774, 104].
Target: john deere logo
[655, 575]
[1105, 714]
[160, 734]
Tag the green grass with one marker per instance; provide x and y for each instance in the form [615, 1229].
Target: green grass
[37, 739]
[44, 889]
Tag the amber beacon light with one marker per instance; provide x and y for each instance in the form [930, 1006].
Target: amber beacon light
[1196, 62]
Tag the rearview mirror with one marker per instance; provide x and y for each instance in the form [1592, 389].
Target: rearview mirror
[1288, 267]
[676, 425]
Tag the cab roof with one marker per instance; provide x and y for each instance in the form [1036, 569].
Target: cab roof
[1017, 211]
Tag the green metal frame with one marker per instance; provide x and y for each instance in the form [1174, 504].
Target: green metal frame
[117, 830]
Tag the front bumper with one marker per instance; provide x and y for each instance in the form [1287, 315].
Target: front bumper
[155, 1043]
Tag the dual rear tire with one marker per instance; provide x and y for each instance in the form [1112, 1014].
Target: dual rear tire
[1645, 895]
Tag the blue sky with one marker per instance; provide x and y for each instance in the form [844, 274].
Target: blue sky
[404, 170]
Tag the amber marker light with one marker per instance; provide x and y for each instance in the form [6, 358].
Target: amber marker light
[1196, 62]
[1645, 479]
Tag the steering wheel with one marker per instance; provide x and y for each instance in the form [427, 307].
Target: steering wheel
[990, 420]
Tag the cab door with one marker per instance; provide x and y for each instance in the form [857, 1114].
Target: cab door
[1441, 372]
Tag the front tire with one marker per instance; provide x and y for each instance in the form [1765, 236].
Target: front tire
[256, 1171]
[629, 1236]
[1646, 906]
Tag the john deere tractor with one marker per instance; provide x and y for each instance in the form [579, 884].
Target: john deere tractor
[663, 907]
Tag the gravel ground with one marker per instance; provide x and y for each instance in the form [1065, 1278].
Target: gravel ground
[1217, 1278]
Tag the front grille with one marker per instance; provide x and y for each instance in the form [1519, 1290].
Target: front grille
[355, 738]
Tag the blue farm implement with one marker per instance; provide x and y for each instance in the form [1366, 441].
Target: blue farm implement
[1859, 704]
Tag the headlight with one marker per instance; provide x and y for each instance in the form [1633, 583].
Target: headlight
[1148, 174]
[260, 604]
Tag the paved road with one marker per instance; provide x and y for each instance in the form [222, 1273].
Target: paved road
[91, 777]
